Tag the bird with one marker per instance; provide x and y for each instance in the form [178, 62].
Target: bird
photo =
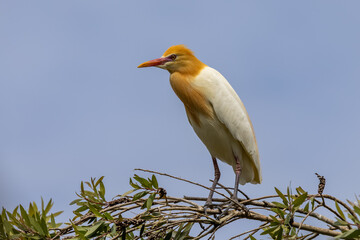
[215, 112]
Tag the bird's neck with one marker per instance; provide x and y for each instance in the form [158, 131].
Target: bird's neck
[193, 99]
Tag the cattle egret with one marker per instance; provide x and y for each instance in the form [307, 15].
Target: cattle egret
[216, 114]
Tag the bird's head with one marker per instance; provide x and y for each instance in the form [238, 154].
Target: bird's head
[177, 58]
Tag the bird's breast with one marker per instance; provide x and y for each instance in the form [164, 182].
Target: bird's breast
[215, 137]
[192, 97]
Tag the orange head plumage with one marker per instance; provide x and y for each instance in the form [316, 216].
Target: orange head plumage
[177, 58]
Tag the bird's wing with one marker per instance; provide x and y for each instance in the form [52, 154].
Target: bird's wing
[230, 110]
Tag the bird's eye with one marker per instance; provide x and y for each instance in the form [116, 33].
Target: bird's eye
[173, 57]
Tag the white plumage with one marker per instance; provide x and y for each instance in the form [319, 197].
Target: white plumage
[231, 131]
[215, 112]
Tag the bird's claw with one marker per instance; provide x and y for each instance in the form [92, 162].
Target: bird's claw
[236, 205]
[207, 206]
[211, 206]
[245, 209]
[242, 207]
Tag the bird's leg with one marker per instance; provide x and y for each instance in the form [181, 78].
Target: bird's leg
[237, 177]
[236, 187]
[234, 196]
[216, 180]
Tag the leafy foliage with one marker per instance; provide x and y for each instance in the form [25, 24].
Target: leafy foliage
[146, 212]
[33, 223]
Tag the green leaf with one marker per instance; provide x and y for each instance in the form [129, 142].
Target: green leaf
[25, 216]
[78, 231]
[168, 235]
[339, 210]
[95, 211]
[353, 233]
[31, 210]
[49, 206]
[274, 219]
[278, 212]
[280, 205]
[37, 226]
[299, 190]
[178, 232]
[281, 195]
[99, 180]
[144, 205]
[306, 208]
[42, 204]
[77, 214]
[279, 234]
[108, 216]
[8, 227]
[139, 195]
[102, 191]
[293, 232]
[154, 182]
[130, 235]
[75, 201]
[312, 200]
[2, 229]
[82, 187]
[149, 201]
[3, 212]
[252, 238]
[299, 200]
[146, 217]
[340, 222]
[44, 227]
[52, 222]
[288, 190]
[15, 211]
[57, 213]
[357, 209]
[133, 184]
[128, 192]
[144, 183]
[184, 233]
[270, 230]
[14, 219]
[353, 219]
[92, 230]
[142, 230]
[90, 185]
[82, 208]
[35, 207]
[287, 219]
[113, 230]
[123, 236]
[89, 194]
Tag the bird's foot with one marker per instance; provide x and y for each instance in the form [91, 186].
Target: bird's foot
[234, 204]
[208, 205]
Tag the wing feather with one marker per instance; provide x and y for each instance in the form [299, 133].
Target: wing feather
[230, 110]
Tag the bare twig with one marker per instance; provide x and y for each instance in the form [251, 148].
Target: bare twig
[194, 183]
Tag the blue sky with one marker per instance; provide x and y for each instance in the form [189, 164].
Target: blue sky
[73, 105]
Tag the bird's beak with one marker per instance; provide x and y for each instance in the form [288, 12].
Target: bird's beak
[155, 62]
